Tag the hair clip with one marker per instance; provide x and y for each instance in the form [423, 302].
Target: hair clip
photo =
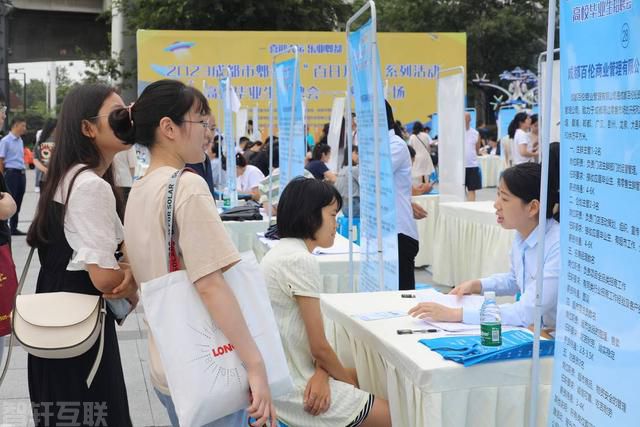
[129, 107]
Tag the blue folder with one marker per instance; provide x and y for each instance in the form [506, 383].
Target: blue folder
[468, 350]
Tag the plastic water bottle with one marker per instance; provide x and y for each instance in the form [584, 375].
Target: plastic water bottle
[227, 200]
[490, 321]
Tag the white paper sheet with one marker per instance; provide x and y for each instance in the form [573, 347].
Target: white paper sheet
[340, 246]
[470, 301]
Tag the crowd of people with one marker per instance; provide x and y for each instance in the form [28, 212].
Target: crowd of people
[99, 232]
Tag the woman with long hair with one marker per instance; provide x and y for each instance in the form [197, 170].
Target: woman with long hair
[517, 208]
[423, 165]
[77, 232]
[518, 132]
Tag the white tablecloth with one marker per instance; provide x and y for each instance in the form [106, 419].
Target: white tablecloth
[426, 228]
[469, 243]
[423, 389]
[334, 268]
[491, 167]
[242, 233]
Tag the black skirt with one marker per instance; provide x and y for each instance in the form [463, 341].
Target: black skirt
[57, 387]
[472, 179]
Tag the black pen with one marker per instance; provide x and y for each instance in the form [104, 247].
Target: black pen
[415, 331]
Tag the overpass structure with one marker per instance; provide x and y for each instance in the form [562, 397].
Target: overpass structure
[51, 30]
[57, 30]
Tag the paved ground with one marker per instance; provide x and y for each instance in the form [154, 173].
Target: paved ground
[145, 408]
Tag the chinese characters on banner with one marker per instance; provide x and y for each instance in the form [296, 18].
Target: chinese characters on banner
[291, 151]
[229, 141]
[362, 56]
[596, 372]
[200, 58]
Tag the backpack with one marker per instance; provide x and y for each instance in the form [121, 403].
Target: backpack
[242, 213]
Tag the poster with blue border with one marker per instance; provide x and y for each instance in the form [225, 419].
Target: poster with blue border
[229, 141]
[291, 152]
[596, 372]
[364, 84]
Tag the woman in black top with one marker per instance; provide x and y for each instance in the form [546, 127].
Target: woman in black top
[318, 164]
[44, 149]
[77, 231]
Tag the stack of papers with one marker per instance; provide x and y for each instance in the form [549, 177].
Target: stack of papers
[468, 350]
[340, 246]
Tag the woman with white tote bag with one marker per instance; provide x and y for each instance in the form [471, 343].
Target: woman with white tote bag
[173, 121]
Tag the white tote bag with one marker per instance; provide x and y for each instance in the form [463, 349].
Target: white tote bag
[206, 377]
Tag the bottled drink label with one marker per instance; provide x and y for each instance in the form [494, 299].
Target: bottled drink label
[491, 334]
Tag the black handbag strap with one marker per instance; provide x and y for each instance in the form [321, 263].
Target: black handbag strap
[423, 144]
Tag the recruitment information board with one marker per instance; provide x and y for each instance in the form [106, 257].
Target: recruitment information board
[373, 276]
[596, 368]
[292, 146]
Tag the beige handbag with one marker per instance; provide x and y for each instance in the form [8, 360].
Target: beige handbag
[59, 325]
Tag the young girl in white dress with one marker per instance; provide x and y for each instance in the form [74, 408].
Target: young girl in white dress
[326, 393]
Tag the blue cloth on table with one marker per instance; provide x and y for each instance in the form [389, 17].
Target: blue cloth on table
[467, 350]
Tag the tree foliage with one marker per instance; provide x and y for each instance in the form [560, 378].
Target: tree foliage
[501, 34]
[293, 15]
[104, 68]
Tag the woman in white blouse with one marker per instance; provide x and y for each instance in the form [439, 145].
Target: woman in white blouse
[248, 176]
[517, 207]
[519, 133]
[423, 165]
[326, 393]
[77, 232]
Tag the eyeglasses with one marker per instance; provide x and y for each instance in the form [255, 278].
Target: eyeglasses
[203, 123]
[98, 116]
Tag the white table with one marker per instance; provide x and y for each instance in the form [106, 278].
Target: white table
[422, 388]
[426, 228]
[243, 232]
[491, 167]
[469, 243]
[334, 268]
